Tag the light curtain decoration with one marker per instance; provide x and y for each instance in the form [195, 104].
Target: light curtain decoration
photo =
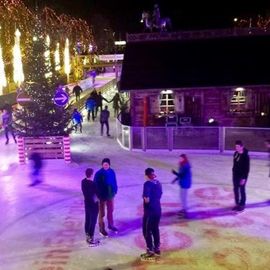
[3, 80]
[18, 75]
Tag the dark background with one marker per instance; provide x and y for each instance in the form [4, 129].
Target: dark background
[124, 16]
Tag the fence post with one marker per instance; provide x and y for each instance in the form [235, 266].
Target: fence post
[130, 138]
[67, 154]
[144, 142]
[221, 139]
[170, 138]
[21, 153]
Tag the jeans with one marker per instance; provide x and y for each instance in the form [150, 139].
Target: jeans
[91, 213]
[93, 114]
[102, 126]
[151, 232]
[110, 207]
[9, 129]
[239, 192]
[184, 194]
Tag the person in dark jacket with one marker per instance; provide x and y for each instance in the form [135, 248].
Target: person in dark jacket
[91, 207]
[37, 164]
[77, 90]
[240, 173]
[104, 120]
[99, 102]
[184, 178]
[106, 184]
[152, 192]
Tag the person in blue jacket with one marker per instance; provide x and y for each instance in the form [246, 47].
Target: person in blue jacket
[90, 105]
[184, 179]
[106, 186]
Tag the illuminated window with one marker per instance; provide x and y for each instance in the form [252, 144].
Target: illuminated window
[166, 101]
[239, 96]
[238, 99]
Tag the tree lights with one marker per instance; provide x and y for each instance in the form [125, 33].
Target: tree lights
[57, 57]
[3, 80]
[18, 75]
[67, 59]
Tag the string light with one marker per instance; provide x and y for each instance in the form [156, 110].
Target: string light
[47, 56]
[18, 75]
[67, 58]
[3, 80]
[57, 57]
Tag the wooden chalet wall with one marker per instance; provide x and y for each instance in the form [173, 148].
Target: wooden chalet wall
[201, 104]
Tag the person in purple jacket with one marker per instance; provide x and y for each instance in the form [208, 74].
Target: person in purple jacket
[184, 179]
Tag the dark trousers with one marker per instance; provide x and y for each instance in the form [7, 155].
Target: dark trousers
[151, 232]
[107, 127]
[76, 127]
[239, 192]
[110, 207]
[93, 114]
[8, 130]
[91, 213]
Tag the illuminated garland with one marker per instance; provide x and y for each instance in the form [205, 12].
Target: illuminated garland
[67, 58]
[3, 80]
[57, 57]
[18, 75]
[47, 55]
[14, 14]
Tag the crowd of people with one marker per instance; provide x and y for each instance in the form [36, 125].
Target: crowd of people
[94, 105]
[99, 193]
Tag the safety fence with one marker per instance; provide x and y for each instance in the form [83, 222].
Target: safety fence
[218, 139]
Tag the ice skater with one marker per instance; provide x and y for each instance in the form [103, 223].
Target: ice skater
[7, 125]
[106, 184]
[91, 207]
[77, 120]
[37, 165]
[184, 179]
[152, 192]
[104, 120]
[240, 172]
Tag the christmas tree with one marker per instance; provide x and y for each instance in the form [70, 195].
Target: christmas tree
[40, 116]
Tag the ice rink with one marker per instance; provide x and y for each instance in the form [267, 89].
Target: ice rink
[42, 227]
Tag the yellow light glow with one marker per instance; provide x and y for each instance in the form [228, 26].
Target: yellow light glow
[18, 75]
[47, 56]
[57, 57]
[67, 58]
[3, 80]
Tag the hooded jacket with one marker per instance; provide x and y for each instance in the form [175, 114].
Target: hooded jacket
[241, 164]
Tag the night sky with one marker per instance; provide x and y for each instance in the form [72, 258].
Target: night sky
[124, 16]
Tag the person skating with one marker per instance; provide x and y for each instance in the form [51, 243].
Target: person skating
[106, 184]
[99, 102]
[184, 179]
[152, 192]
[77, 90]
[240, 172]
[90, 107]
[91, 207]
[104, 120]
[77, 120]
[7, 125]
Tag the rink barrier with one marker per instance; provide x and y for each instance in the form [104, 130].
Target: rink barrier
[21, 155]
[67, 154]
[191, 138]
[49, 147]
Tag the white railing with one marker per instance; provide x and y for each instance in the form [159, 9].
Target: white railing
[219, 139]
